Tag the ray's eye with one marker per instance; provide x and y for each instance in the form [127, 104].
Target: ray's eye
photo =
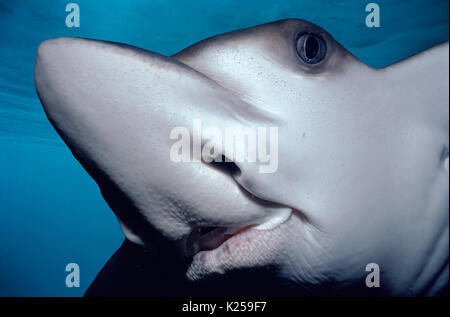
[311, 48]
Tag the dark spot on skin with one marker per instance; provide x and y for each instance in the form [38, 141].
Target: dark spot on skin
[444, 154]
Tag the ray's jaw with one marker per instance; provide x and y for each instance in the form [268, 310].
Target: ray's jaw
[210, 237]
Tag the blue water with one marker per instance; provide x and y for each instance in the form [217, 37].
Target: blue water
[51, 212]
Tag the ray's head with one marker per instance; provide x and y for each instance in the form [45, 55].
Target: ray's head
[362, 153]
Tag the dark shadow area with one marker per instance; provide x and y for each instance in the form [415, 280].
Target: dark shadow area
[134, 271]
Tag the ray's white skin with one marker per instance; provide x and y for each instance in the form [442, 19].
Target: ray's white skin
[362, 152]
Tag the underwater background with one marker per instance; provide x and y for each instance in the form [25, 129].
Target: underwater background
[51, 211]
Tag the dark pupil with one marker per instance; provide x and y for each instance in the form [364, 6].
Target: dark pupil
[311, 47]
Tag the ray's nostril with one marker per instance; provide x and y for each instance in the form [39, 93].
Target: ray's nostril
[223, 164]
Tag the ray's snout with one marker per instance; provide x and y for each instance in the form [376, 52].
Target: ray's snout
[115, 105]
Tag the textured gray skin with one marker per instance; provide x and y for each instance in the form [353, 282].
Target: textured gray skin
[363, 152]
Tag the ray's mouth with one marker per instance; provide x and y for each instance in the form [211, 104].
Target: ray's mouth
[211, 237]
